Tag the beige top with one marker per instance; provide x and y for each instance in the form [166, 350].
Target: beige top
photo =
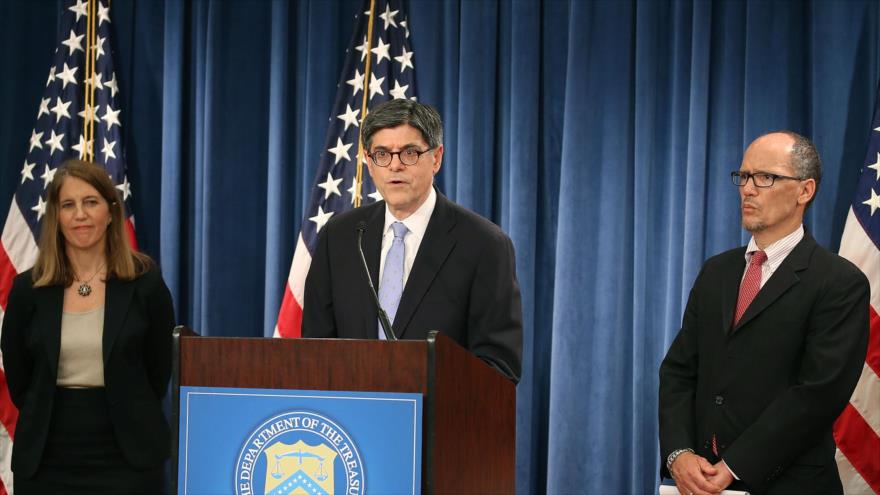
[81, 363]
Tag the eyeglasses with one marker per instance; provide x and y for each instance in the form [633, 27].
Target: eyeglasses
[409, 156]
[759, 179]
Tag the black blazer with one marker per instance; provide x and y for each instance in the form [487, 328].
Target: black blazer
[138, 320]
[462, 283]
[770, 388]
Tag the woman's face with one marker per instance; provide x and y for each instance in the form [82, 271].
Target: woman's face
[83, 215]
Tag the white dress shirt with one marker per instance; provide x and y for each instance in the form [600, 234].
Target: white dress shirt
[417, 223]
[776, 253]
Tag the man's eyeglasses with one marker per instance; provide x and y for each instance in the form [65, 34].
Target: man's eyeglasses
[759, 179]
[409, 156]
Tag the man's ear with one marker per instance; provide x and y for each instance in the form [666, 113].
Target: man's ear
[807, 192]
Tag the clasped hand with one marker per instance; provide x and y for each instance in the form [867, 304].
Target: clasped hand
[695, 475]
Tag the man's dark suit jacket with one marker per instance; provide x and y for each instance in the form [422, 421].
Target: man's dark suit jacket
[462, 283]
[138, 320]
[771, 387]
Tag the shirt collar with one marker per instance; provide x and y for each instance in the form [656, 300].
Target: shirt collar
[779, 250]
[417, 223]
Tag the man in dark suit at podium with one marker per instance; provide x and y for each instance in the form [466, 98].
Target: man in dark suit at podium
[437, 265]
[772, 343]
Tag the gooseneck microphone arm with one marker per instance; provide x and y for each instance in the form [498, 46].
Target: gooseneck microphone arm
[383, 317]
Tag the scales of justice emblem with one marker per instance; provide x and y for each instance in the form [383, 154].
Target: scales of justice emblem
[299, 469]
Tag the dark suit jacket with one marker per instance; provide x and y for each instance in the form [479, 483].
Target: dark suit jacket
[770, 388]
[462, 283]
[138, 320]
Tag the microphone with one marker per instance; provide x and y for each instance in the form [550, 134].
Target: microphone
[383, 317]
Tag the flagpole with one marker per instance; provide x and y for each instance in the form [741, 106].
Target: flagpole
[359, 177]
[89, 87]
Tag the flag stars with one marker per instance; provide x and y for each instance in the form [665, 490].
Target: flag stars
[356, 83]
[27, 172]
[113, 85]
[103, 14]
[876, 166]
[44, 107]
[60, 109]
[354, 190]
[74, 42]
[96, 81]
[88, 113]
[399, 92]
[376, 195]
[381, 51]
[40, 207]
[80, 9]
[54, 143]
[873, 201]
[330, 186]
[68, 75]
[99, 48]
[111, 117]
[375, 85]
[51, 76]
[48, 175]
[340, 151]
[405, 25]
[125, 187]
[349, 117]
[35, 140]
[108, 149]
[405, 60]
[388, 16]
[321, 218]
[83, 147]
[363, 48]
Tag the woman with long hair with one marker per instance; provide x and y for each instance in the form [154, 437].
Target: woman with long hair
[86, 343]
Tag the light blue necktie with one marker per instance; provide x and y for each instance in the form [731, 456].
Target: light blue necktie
[391, 286]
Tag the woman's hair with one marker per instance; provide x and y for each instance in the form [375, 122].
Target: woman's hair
[52, 266]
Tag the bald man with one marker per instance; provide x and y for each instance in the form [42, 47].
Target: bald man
[771, 346]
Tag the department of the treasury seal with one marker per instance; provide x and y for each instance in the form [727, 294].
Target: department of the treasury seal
[299, 452]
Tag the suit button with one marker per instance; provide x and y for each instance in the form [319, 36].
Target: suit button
[719, 400]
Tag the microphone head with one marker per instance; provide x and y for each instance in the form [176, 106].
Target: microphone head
[362, 226]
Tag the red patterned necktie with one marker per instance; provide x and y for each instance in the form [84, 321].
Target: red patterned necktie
[751, 284]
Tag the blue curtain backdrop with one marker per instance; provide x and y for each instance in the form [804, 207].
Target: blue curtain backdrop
[598, 134]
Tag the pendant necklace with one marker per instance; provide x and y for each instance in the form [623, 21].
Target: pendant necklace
[84, 287]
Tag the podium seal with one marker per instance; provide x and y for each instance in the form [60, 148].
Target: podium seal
[299, 452]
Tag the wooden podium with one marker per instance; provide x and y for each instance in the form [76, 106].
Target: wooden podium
[468, 434]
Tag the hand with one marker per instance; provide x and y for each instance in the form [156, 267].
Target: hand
[724, 477]
[693, 475]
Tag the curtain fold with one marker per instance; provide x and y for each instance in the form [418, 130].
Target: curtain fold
[599, 135]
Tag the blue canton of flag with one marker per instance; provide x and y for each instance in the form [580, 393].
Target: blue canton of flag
[59, 133]
[378, 67]
[867, 200]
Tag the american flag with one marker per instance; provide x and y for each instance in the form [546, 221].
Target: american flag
[81, 87]
[857, 430]
[378, 67]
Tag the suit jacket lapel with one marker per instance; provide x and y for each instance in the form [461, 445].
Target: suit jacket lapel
[730, 290]
[373, 254]
[116, 304]
[50, 304]
[433, 252]
[782, 279]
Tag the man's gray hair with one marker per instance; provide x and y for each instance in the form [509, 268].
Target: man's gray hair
[401, 111]
[805, 158]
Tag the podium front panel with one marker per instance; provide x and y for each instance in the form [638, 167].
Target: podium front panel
[269, 441]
